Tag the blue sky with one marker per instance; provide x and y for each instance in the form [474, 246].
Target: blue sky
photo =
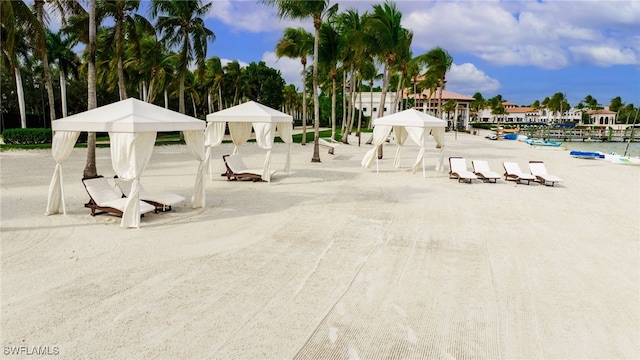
[523, 50]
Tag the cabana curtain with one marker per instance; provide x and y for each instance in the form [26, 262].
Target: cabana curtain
[195, 143]
[130, 154]
[61, 147]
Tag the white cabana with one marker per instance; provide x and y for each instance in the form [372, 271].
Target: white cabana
[412, 124]
[266, 122]
[132, 126]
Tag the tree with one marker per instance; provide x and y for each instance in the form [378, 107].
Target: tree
[90, 169]
[124, 17]
[477, 105]
[18, 25]
[384, 26]
[439, 62]
[60, 51]
[298, 43]
[182, 26]
[557, 104]
[318, 11]
[449, 106]
[328, 56]
[265, 84]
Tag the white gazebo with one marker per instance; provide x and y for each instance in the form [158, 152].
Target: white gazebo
[132, 126]
[412, 124]
[266, 122]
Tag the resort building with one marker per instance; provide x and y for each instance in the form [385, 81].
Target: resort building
[422, 101]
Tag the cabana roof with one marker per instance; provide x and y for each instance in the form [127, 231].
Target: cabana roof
[410, 117]
[250, 111]
[128, 116]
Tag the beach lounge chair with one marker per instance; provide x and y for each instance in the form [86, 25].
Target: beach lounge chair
[512, 172]
[482, 170]
[458, 170]
[540, 172]
[105, 199]
[238, 170]
[331, 146]
[163, 201]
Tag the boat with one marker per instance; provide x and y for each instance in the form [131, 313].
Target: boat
[624, 160]
[586, 154]
[541, 142]
[510, 136]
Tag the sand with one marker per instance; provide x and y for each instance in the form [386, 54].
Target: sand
[329, 261]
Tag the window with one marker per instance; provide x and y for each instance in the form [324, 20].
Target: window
[375, 109]
[364, 109]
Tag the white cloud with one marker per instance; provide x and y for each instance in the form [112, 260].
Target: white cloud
[251, 16]
[604, 55]
[467, 79]
[547, 35]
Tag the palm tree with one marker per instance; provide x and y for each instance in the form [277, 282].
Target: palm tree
[316, 10]
[353, 48]
[60, 51]
[90, 169]
[328, 56]
[18, 25]
[385, 27]
[438, 64]
[477, 105]
[124, 17]
[63, 7]
[298, 43]
[183, 26]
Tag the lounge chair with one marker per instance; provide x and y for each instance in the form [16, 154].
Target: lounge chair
[163, 201]
[105, 199]
[331, 146]
[483, 172]
[238, 170]
[512, 172]
[458, 170]
[540, 172]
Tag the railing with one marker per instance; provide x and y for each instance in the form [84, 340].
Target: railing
[595, 134]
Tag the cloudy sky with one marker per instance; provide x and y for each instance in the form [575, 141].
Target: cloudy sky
[523, 50]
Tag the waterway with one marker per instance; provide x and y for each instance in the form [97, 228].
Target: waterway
[605, 147]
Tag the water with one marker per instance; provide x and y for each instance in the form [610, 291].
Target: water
[605, 147]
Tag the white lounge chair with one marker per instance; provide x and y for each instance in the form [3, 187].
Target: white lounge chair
[163, 201]
[482, 170]
[105, 199]
[512, 172]
[238, 170]
[458, 170]
[331, 146]
[540, 172]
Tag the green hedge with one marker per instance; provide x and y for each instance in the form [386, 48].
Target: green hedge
[27, 136]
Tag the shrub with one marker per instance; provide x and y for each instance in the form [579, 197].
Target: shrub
[27, 136]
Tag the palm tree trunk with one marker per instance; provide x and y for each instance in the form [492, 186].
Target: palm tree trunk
[21, 104]
[333, 107]
[304, 104]
[344, 102]
[63, 92]
[39, 4]
[316, 103]
[181, 107]
[122, 91]
[166, 99]
[359, 113]
[90, 164]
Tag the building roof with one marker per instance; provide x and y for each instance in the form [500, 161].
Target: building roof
[509, 103]
[601, 112]
[446, 95]
[519, 110]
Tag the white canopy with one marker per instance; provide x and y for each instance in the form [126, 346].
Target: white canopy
[408, 123]
[132, 126]
[266, 122]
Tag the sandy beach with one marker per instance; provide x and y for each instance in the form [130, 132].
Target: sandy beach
[329, 261]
